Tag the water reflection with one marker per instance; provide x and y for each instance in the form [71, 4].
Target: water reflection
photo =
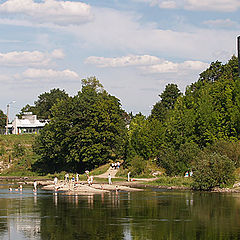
[119, 215]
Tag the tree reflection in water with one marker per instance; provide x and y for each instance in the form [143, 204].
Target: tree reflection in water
[121, 215]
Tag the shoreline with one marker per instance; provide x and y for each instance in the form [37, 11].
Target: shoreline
[82, 187]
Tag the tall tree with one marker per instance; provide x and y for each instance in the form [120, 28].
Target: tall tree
[85, 131]
[167, 102]
[44, 103]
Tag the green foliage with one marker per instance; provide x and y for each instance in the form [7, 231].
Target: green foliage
[168, 98]
[18, 150]
[2, 150]
[231, 149]
[212, 170]
[3, 118]
[137, 166]
[86, 131]
[173, 181]
[177, 162]
[45, 103]
[100, 170]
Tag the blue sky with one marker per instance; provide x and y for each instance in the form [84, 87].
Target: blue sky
[133, 47]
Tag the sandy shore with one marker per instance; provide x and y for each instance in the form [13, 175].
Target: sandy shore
[82, 188]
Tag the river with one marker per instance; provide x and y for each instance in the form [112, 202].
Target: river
[151, 214]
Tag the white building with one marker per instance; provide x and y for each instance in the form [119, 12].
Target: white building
[28, 124]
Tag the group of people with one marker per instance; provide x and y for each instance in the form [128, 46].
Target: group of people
[20, 188]
[188, 174]
[73, 179]
[116, 165]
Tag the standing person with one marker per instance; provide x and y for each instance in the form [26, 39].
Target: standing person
[118, 165]
[66, 177]
[55, 181]
[115, 165]
[77, 177]
[35, 186]
[129, 176]
[91, 180]
[109, 179]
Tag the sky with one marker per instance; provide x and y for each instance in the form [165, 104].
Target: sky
[134, 47]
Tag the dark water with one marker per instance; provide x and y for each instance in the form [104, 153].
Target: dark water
[144, 215]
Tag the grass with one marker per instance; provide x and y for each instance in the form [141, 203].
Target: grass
[172, 182]
[100, 170]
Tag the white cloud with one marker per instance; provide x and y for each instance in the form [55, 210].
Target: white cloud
[27, 58]
[196, 5]
[47, 74]
[149, 64]
[222, 23]
[179, 68]
[213, 5]
[160, 3]
[125, 61]
[115, 31]
[58, 12]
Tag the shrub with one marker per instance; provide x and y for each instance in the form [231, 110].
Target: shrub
[212, 170]
[138, 165]
[231, 149]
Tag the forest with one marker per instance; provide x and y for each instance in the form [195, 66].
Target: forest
[198, 130]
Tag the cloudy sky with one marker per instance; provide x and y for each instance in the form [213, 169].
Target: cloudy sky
[134, 47]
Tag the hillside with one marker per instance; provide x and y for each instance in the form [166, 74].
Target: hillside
[16, 154]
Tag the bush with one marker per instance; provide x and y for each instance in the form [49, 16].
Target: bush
[231, 149]
[138, 165]
[212, 170]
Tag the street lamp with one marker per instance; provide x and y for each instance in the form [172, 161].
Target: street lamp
[8, 106]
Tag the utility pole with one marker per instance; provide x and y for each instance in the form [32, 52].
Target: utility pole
[8, 106]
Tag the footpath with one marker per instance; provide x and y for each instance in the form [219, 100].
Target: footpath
[111, 171]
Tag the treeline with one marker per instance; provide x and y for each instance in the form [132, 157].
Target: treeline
[193, 131]
[198, 130]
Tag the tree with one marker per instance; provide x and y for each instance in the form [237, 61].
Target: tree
[45, 102]
[212, 170]
[3, 118]
[85, 131]
[167, 102]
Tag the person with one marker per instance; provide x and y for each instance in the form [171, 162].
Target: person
[118, 165]
[77, 177]
[129, 176]
[191, 173]
[66, 177]
[20, 188]
[112, 165]
[34, 186]
[109, 179]
[186, 174]
[55, 181]
[10, 189]
[91, 180]
[115, 165]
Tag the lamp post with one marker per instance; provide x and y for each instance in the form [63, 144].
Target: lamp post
[8, 106]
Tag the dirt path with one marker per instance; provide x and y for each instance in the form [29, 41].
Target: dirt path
[112, 172]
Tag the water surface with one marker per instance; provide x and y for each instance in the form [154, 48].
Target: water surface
[152, 214]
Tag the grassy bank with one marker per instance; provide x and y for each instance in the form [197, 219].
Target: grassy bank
[16, 155]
